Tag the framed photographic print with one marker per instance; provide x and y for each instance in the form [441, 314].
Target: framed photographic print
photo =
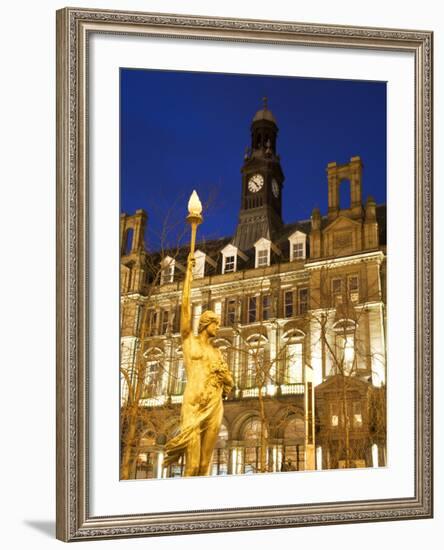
[244, 274]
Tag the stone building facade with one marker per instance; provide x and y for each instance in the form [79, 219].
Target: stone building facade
[302, 309]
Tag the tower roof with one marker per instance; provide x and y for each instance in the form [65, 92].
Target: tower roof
[264, 113]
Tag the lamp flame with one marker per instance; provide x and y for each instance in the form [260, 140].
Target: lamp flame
[194, 205]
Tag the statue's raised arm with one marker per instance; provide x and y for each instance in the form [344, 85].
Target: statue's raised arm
[208, 377]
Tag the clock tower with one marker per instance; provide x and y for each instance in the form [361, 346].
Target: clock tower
[262, 181]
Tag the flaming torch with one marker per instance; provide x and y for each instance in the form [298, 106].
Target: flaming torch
[194, 218]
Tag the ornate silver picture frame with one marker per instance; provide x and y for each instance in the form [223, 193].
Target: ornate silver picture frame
[76, 519]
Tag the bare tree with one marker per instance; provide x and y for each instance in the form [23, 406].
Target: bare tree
[340, 310]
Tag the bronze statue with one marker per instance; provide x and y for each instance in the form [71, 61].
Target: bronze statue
[208, 377]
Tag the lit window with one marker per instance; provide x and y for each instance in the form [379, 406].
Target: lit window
[298, 251]
[262, 258]
[252, 309]
[288, 303]
[357, 414]
[250, 373]
[263, 252]
[154, 372]
[230, 312]
[179, 378]
[353, 288]
[294, 364]
[153, 379]
[303, 301]
[229, 264]
[297, 246]
[152, 323]
[266, 307]
[230, 258]
[217, 306]
[334, 415]
[199, 266]
[164, 322]
[167, 273]
[337, 290]
[252, 436]
[346, 352]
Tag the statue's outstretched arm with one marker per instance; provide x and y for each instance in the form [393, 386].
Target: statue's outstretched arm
[185, 316]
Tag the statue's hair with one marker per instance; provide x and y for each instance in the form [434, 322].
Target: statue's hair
[207, 318]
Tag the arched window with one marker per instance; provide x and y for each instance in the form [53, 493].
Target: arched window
[252, 432]
[294, 357]
[293, 456]
[345, 359]
[256, 370]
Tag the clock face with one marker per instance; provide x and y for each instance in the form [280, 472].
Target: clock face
[255, 183]
[275, 188]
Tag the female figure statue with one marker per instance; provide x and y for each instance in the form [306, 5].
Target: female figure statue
[208, 382]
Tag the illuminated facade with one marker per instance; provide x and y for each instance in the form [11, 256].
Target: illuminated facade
[303, 311]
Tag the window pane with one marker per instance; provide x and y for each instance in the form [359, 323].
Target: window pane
[153, 379]
[357, 414]
[152, 323]
[164, 323]
[231, 312]
[303, 300]
[353, 288]
[266, 307]
[334, 414]
[262, 258]
[199, 268]
[229, 264]
[288, 303]
[294, 364]
[252, 309]
[167, 274]
[179, 378]
[298, 250]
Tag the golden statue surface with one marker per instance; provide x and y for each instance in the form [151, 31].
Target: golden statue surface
[208, 377]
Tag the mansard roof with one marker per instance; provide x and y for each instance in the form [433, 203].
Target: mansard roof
[214, 247]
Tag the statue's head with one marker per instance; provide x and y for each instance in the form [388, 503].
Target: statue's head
[210, 322]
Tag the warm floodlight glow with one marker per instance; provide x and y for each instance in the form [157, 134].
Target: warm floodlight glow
[375, 455]
[194, 205]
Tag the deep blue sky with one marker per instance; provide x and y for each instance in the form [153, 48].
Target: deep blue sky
[183, 130]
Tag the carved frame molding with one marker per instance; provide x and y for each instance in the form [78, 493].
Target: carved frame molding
[73, 28]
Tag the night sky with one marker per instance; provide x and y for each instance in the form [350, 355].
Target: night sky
[183, 130]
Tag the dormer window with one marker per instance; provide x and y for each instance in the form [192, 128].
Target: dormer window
[230, 255]
[201, 260]
[263, 252]
[167, 273]
[229, 264]
[199, 266]
[298, 246]
[263, 257]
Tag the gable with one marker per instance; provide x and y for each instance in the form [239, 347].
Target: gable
[342, 223]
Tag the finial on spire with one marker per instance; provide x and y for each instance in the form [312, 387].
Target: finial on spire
[265, 100]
